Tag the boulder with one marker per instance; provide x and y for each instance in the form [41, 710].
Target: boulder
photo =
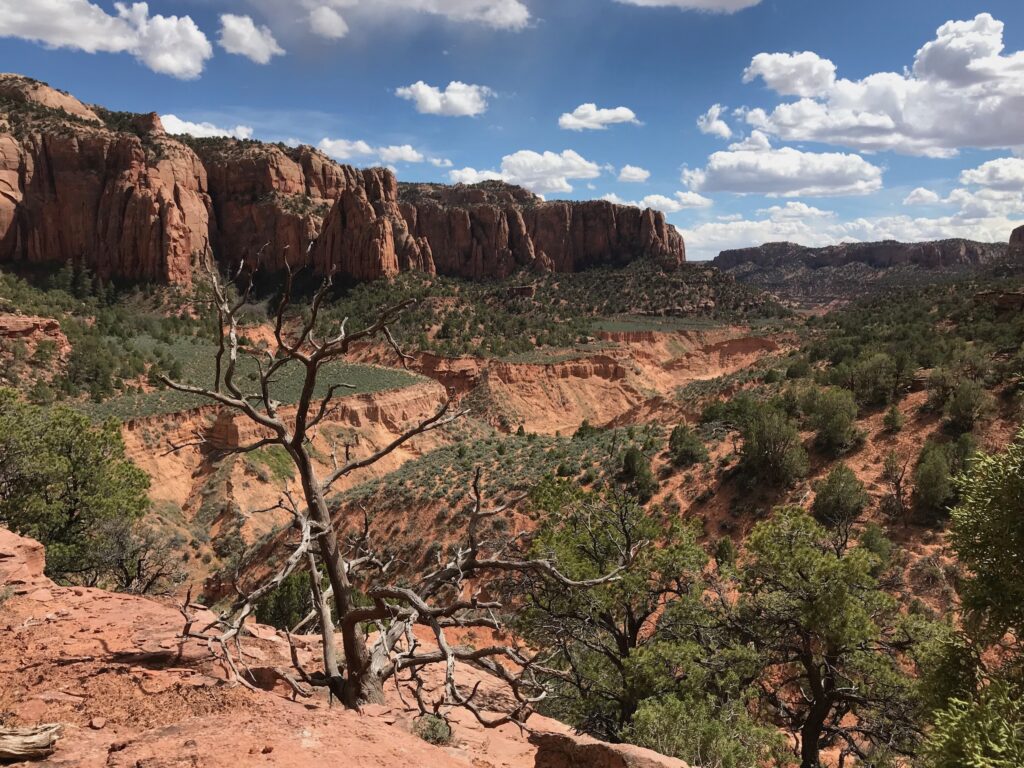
[22, 564]
[560, 750]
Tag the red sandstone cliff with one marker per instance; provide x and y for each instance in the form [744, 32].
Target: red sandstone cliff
[114, 192]
[493, 229]
[126, 204]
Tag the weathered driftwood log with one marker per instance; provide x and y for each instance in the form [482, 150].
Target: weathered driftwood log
[28, 743]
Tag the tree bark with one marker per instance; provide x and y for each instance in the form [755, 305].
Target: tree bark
[360, 686]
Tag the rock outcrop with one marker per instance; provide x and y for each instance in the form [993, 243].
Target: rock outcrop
[1017, 243]
[559, 750]
[128, 691]
[272, 201]
[25, 90]
[114, 193]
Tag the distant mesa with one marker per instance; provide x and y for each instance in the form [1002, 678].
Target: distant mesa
[816, 277]
[115, 192]
[880, 255]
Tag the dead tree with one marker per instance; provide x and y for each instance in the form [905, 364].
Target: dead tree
[894, 473]
[374, 615]
[28, 743]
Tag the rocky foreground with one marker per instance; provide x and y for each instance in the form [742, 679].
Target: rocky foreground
[128, 692]
[114, 190]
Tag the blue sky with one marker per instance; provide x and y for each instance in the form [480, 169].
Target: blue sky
[836, 120]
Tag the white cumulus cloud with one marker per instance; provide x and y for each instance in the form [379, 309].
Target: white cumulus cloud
[817, 228]
[359, 151]
[400, 154]
[784, 172]
[792, 74]
[711, 123]
[1005, 173]
[632, 174]
[499, 14]
[327, 22]
[540, 172]
[962, 90]
[345, 149]
[240, 35]
[921, 196]
[169, 45]
[588, 117]
[678, 202]
[984, 214]
[456, 100]
[473, 176]
[710, 6]
[175, 125]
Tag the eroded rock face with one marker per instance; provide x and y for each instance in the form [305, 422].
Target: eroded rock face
[114, 192]
[270, 200]
[365, 235]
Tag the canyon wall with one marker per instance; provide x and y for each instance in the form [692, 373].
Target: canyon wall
[115, 193]
[126, 204]
[494, 229]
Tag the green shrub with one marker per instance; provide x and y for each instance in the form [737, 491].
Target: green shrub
[986, 731]
[874, 540]
[685, 447]
[288, 604]
[772, 450]
[702, 731]
[62, 480]
[833, 414]
[799, 369]
[893, 421]
[875, 379]
[965, 406]
[637, 474]
[725, 552]
[839, 499]
[933, 484]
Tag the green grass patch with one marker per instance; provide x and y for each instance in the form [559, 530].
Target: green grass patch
[272, 463]
[196, 361]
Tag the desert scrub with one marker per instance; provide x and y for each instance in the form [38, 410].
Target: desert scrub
[511, 464]
[433, 729]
